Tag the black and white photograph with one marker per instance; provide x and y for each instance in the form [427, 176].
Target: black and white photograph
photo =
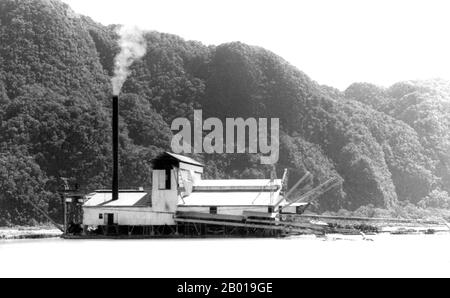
[213, 139]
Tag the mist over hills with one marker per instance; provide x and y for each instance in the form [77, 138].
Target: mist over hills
[390, 146]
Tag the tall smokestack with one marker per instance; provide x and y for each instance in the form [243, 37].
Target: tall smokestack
[132, 47]
[115, 139]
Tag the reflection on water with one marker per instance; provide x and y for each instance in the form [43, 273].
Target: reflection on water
[335, 255]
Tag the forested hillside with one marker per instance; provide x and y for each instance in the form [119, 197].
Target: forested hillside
[390, 146]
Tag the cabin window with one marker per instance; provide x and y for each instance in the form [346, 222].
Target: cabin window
[100, 216]
[168, 179]
[271, 209]
[213, 210]
[165, 179]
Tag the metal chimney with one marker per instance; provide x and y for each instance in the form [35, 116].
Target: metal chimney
[115, 139]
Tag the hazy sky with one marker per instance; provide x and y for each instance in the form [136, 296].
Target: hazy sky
[336, 42]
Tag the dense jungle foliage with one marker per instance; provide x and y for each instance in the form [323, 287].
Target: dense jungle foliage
[390, 146]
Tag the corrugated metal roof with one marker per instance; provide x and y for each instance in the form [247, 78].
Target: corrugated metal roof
[242, 185]
[185, 159]
[247, 198]
[238, 182]
[126, 199]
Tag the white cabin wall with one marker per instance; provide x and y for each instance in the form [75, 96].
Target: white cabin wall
[165, 200]
[129, 216]
[91, 217]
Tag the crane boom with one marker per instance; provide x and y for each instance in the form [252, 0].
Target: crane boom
[318, 191]
[303, 179]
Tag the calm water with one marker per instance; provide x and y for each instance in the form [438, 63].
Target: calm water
[386, 255]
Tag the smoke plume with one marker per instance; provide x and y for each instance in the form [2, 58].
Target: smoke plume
[132, 47]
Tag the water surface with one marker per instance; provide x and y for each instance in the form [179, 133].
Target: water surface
[335, 256]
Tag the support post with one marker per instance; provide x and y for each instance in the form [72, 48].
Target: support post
[65, 215]
[115, 139]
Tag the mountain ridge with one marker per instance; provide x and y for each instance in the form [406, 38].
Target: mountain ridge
[55, 115]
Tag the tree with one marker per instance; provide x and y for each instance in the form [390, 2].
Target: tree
[436, 199]
[66, 135]
[21, 181]
[145, 126]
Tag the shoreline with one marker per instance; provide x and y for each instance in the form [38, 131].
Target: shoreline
[18, 233]
[22, 233]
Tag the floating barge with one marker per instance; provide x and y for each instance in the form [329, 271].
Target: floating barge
[182, 204]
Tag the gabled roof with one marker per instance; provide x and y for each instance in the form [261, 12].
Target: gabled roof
[185, 159]
[169, 158]
[126, 199]
[261, 185]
